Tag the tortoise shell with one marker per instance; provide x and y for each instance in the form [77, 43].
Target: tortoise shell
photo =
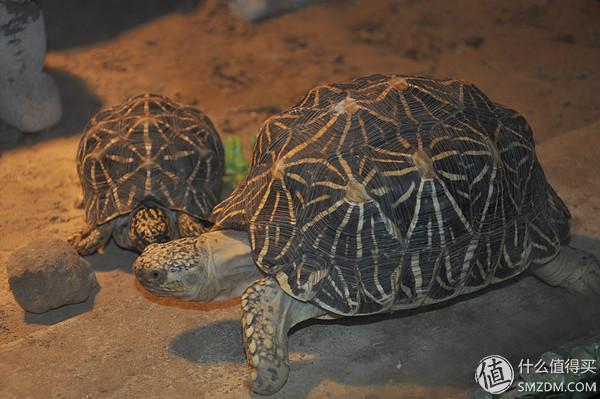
[149, 149]
[391, 192]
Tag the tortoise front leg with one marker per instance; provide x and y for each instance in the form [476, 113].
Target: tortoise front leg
[91, 240]
[189, 226]
[267, 315]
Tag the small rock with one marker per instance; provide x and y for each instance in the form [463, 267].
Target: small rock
[256, 10]
[339, 59]
[565, 38]
[48, 273]
[474, 41]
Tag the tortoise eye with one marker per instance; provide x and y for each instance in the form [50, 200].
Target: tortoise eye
[154, 275]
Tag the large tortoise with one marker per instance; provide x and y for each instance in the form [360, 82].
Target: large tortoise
[151, 171]
[374, 195]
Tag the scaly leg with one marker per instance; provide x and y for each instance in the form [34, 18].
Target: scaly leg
[189, 226]
[268, 313]
[92, 240]
[574, 269]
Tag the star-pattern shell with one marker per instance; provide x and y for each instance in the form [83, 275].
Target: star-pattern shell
[391, 192]
[149, 148]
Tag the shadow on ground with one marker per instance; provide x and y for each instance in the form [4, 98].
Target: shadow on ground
[78, 103]
[73, 23]
[63, 313]
[214, 343]
[113, 258]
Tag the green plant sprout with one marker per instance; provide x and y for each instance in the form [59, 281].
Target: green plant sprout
[236, 166]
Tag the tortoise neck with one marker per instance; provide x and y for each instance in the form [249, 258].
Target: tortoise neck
[231, 267]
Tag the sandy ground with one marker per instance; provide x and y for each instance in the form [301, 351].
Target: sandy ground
[540, 57]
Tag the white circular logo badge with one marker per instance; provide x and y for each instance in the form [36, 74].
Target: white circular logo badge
[494, 374]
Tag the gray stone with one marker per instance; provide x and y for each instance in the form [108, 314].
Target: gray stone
[47, 274]
[29, 98]
[256, 10]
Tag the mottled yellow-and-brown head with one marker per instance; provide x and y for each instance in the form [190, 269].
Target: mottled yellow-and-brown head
[177, 268]
[214, 266]
[149, 225]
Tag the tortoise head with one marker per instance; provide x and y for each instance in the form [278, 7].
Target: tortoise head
[178, 268]
[213, 266]
[149, 225]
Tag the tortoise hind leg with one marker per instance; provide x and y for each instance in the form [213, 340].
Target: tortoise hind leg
[189, 226]
[267, 315]
[92, 240]
[574, 269]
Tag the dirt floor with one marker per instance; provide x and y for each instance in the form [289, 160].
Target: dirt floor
[539, 57]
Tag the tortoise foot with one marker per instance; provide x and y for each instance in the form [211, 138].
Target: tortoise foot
[268, 313]
[90, 241]
[189, 226]
[576, 270]
[265, 340]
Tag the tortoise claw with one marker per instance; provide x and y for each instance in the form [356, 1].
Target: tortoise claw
[585, 281]
[575, 270]
[189, 226]
[90, 241]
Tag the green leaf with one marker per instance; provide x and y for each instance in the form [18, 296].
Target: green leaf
[236, 166]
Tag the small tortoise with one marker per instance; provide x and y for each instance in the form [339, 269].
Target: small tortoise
[374, 195]
[151, 171]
